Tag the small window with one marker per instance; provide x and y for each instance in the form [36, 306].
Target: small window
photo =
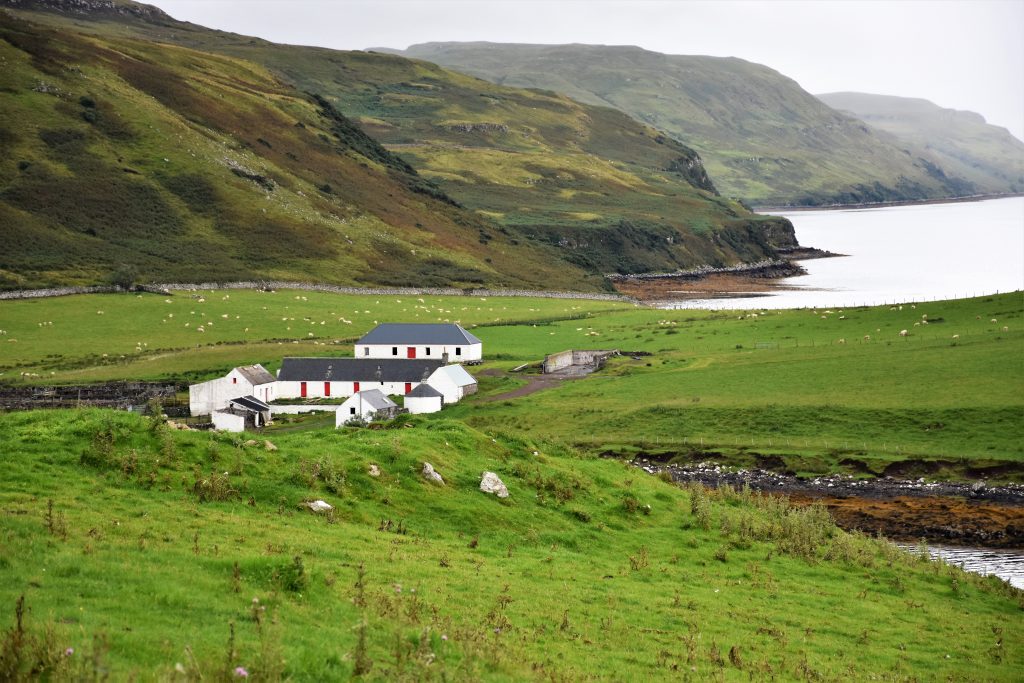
[394, 350]
[366, 350]
[234, 380]
[428, 350]
[352, 410]
[458, 351]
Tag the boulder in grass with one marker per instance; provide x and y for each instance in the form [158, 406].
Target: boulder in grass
[431, 475]
[374, 470]
[319, 506]
[490, 483]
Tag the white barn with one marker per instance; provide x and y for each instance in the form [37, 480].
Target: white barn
[342, 377]
[420, 340]
[424, 399]
[248, 380]
[453, 382]
[365, 405]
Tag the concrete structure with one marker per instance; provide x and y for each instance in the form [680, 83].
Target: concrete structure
[248, 380]
[341, 377]
[366, 405]
[420, 340]
[424, 399]
[246, 412]
[590, 360]
[453, 382]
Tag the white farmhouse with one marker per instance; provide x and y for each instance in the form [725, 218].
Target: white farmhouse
[424, 399]
[420, 340]
[341, 377]
[453, 382]
[365, 405]
[247, 380]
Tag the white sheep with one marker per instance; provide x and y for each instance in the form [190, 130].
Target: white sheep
[904, 333]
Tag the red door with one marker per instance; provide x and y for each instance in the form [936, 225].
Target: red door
[408, 387]
[355, 387]
[302, 389]
[411, 352]
[327, 388]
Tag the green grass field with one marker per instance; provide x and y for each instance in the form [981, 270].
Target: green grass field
[737, 383]
[184, 555]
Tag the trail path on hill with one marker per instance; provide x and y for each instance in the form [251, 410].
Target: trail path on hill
[535, 383]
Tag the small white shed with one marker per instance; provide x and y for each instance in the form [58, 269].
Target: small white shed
[453, 382]
[241, 413]
[365, 405]
[424, 399]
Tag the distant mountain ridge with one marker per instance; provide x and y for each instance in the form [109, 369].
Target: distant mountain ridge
[475, 183]
[966, 145]
[762, 137]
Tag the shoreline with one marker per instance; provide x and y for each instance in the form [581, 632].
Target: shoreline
[882, 205]
[956, 513]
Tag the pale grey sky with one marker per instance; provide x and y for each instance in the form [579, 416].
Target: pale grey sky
[960, 54]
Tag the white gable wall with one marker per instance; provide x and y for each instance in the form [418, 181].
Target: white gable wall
[228, 422]
[417, 405]
[206, 397]
[354, 407]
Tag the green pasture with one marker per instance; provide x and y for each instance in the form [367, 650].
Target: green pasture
[144, 552]
[817, 386]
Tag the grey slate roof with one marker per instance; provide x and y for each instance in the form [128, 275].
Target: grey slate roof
[356, 369]
[256, 374]
[424, 391]
[418, 334]
[376, 399]
[250, 403]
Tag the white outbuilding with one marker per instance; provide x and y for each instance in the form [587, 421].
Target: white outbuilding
[424, 399]
[433, 341]
[365, 405]
[248, 380]
[246, 412]
[453, 382]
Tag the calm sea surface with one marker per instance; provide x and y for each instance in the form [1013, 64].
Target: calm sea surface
[1006, 564]
[901, 254]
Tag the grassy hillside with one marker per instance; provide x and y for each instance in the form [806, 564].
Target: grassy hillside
[142, 552]
[605, 193]
[986, 155]
[762, 137]
[716, 382]
[188, 166]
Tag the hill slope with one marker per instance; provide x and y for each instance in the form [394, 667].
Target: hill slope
[762, 136]
[986, 155]
[192, 551]
[194, 166]
[586, 183]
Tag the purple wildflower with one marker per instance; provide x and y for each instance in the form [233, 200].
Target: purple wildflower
[241, 672]
[68, 652]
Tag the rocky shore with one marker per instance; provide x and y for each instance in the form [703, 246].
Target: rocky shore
[958, 513]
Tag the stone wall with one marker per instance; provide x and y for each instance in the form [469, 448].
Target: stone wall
[166, 288]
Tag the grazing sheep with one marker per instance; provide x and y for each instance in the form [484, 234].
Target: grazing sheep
[841, 341]
[904, 333]
[956, 336]
[994, 321]
[1005, 328]
[867, 337]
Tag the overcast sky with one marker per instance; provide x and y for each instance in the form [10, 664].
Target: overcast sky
[959, 54]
